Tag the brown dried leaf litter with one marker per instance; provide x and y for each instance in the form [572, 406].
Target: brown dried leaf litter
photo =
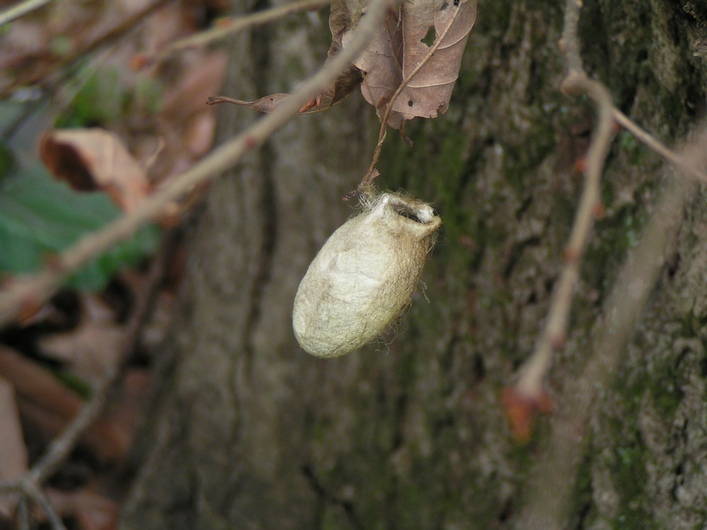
[416, 52]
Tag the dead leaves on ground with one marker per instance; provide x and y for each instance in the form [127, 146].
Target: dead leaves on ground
[49, 405]
[412, 62]
[83, 337]
[128, 154]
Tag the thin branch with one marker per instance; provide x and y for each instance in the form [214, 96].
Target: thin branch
[36, 494]
[679, 161]
[551, 486]
[553, 337]
[23, 513]
[569, 42]
[236, 24]
[21, 9]
[370, 174]
[530, 383]
[35, 289]
[61, 446]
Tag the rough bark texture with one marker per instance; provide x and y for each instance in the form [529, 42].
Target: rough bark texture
[251, 432]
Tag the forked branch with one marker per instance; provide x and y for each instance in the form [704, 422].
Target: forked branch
[529, 387]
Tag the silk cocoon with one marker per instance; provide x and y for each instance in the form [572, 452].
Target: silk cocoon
[364, 276]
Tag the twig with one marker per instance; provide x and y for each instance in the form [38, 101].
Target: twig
[35, 493]
[549, 491]
[368, 178]
[679, 161]
[553, 337]
[551, 484]
[530, 383]
[60, 448]
[21, 9]
[234, 25]
[36, 289]
[569, 42]
[23, 513]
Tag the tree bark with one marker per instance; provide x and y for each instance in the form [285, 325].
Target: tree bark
[249, 431]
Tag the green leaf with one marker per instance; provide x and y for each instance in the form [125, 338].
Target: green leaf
[7, 161]
[40, 216]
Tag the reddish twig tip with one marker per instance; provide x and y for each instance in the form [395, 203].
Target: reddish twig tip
[351, 194]
[558, 342]
[521, 411]
[580, 165]
[571, 255]
[140, 61]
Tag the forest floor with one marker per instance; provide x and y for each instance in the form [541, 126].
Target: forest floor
[95, 116]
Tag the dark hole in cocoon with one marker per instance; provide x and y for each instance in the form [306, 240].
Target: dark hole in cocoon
[405, 211]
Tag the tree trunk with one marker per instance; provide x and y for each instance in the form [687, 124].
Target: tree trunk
[251, 432]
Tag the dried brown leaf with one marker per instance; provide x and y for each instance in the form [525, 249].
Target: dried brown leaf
[430, 88]
[93, 511]
[90, 349]
[128, 404]
[381, 63]
[53, 405]
[344, 17]
[96, 343]
[264, 104]
[199, 132]
[37, 384]
[346, 83]
[407, 48]
[342, 87]
[95, 159]
[417, 51]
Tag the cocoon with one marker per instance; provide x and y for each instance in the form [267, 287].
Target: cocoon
[364, 276]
